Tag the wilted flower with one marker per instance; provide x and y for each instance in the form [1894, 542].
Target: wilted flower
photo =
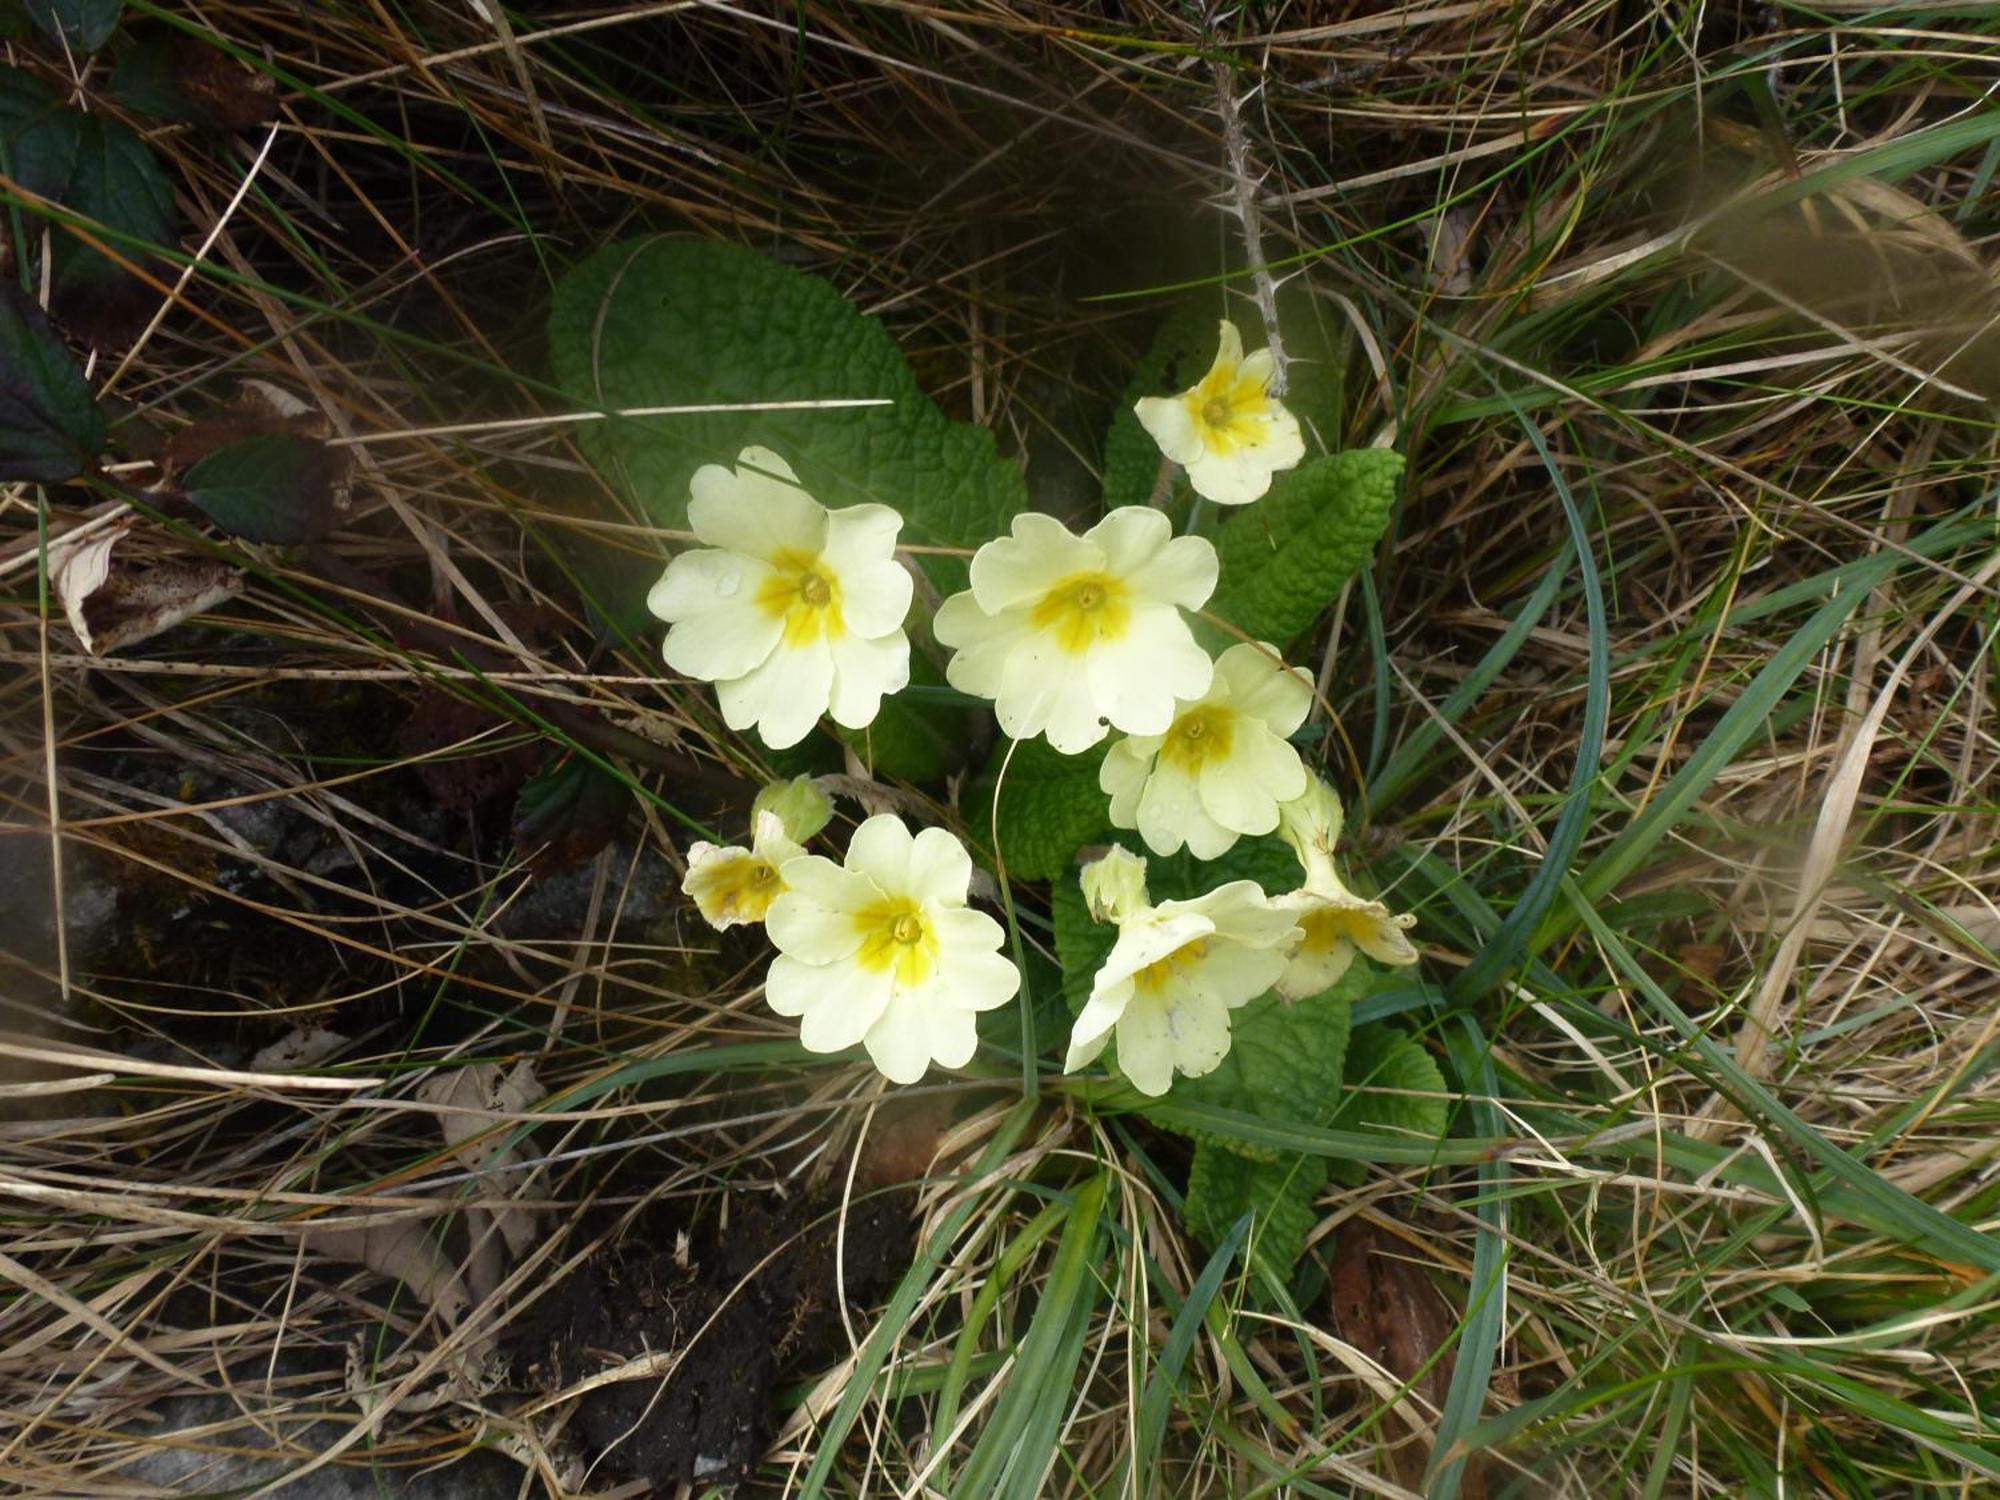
[1223, 765]
[1228, 431]
[1068, 634]
[731, 884]
[1334, 923]
[1176, 972]
[884, 951]
[793, 611]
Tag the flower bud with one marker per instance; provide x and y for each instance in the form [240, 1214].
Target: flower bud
[1114, 885]
[799, 805]
[1311, 825]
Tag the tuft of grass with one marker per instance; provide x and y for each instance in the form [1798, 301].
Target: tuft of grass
[1668, 705]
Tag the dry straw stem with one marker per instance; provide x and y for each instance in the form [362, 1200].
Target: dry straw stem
[1512, 218]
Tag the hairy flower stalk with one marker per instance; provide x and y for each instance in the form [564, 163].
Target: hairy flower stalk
[1334, 923]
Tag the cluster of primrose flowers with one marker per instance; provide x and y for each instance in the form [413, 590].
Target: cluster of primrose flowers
[795, 612]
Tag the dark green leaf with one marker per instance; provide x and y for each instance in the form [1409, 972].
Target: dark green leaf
[274, 487]
[118, 185]
[144, 82]
[1287, 557]
[1050, 805]
[98, 170]
[38, 135]
[49, 427]
[1278, 1195]
[912, 739]
[80, 25]
[670, 321]
[569, 811]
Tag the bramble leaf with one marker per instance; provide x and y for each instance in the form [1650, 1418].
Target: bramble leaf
[273, 487]
[81, 25]
[1286, 558]
[569, 810]
[49, 427]
[672, 321]
[100, 171]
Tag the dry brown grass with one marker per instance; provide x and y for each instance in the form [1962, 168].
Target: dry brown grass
[1561, 219]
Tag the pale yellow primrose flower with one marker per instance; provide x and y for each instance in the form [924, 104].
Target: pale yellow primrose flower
[1223, 765]
[731, 884]
[1068, 634]
[884, 951]
[1176, 972]
[1333, 922]
[793, 611]
[1228, 431]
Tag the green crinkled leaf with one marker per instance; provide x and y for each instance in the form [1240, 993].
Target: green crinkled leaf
[910, 738]
[1286, 1061]
[1380, 1057]
[1280, 1195]
[49, 428]
[1287, 557]
[1285, 1064]
[672, 321]
[1050, 806]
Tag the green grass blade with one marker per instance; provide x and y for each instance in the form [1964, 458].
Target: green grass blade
[1018, 1445]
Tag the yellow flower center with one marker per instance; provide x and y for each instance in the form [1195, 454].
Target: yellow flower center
[1155, 977]
[739, 888]
[896, 938]
[1083, 609]
[806, 599]
[1197, 737]
[1326, 928]
[1230, 410]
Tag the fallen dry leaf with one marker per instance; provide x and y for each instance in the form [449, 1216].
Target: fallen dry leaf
[1387, 1307]
[109, 607]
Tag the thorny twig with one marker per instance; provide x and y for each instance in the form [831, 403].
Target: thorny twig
[1243, 187]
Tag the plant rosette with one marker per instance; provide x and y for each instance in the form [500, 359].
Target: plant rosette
[883, 950]
[791, 610]
[1223, 766]
[1227, 430]
[1073, 636]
